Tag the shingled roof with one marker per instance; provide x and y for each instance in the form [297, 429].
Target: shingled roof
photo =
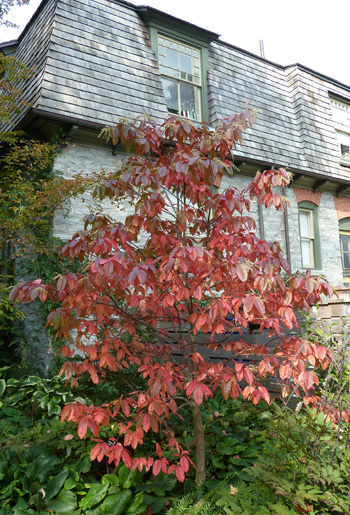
[95, 64]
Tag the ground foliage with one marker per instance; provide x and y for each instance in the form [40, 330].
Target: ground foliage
[278, 460]
[188, 259]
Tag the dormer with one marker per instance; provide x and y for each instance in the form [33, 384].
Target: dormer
[181, 50]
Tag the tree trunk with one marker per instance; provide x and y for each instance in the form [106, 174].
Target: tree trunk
[200, 444]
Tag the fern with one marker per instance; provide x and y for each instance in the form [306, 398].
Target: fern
[189, 505]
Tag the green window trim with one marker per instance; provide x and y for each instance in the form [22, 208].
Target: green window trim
[344, 237]
[179, 65]
[161, 24]
[309, 233]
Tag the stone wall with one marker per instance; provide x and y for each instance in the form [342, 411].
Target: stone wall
[332, 312]
[90, 160]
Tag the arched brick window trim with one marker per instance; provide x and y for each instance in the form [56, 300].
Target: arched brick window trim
[342, 207]
[304, 195]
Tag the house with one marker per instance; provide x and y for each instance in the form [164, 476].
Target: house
[99, 60]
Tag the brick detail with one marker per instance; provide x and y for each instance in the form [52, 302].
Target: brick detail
[342, 206]
[302, 194]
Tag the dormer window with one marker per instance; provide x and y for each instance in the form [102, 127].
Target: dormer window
[341, 118]
[180, 67]
[182, 52]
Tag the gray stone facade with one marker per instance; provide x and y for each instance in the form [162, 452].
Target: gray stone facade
[92, 159]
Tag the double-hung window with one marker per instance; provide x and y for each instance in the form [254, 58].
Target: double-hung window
[309, 235]
[180, 69]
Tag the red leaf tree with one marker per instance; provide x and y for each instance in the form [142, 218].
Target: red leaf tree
[186, 268]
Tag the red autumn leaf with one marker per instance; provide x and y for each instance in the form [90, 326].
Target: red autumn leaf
[180, 474]
[82, 427]
[159, 450]
[248, 375]
[259, 305]
[345, 416]
[264, 394]
[249, 303]
[242, 271]
[285, 372]
[146, 422]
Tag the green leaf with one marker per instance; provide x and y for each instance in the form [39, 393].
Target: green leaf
[41, 468]
[94, 496]
[65, 503]
[110, 479]
[134, 508]
[280, 509]
[127, 477]
[70, 483]
[31, 381]
[95, 511]
[18, 396]
[84, 465]
[53, 408]
[114, 489]
[55, 484]
[44, 402]
[116, 504]
[155, 503]
[2, 386]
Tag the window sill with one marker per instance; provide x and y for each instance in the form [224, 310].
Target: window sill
[345, 162]
[314, 271]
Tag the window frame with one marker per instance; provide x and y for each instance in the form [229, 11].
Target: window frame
[311, 208]
[183, 32]
[344, 228]
[180, 80]
[341, 125]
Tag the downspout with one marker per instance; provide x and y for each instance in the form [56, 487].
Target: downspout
[261, 222]
[286, 231]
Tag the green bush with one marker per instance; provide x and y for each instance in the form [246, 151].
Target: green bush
[46, 468]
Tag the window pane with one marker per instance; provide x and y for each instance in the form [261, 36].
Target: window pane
[345, 242]
[306, 251]
[187, 96]
[170, 88]
[345, 251]
[346, 261]
[185, 63]
[172, 59]
[190, 101]
[305, 224]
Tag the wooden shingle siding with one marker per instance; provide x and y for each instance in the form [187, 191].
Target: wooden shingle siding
[275, 137]
[100, 66]
[95, 64]
[32, 51]
[314, 117]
